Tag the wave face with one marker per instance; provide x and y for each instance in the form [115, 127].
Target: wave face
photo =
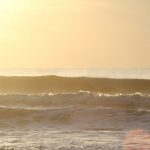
[81, 110]
[74, 102]
[56, 84]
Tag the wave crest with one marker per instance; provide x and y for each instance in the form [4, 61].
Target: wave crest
[84, 110]
[81, 98]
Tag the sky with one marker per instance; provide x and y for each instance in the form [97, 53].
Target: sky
[74, 33]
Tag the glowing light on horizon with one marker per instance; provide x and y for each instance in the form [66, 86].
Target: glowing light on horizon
[78, 33]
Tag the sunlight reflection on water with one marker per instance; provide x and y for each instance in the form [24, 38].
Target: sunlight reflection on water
[137, 139]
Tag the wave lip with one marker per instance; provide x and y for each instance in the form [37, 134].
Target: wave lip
[82, 98]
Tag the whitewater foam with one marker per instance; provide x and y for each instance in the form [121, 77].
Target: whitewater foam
[84, 110]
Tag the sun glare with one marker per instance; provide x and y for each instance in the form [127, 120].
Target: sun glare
[7, 5]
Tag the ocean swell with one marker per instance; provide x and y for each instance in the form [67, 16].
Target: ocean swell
[56, 84]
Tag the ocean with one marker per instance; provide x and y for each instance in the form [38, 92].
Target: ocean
[74, 109]
[134, 73]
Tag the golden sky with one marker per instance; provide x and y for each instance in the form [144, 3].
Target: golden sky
[74, 33]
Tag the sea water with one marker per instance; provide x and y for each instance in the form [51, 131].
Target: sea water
[75, 109]
[143, 73]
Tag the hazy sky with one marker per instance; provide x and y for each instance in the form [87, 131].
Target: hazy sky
[74, 33]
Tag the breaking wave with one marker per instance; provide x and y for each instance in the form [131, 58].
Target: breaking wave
[82, 98]
[74, 102]
[84, 110]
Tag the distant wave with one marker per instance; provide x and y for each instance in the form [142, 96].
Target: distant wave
[56, 84]
[84, 110]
